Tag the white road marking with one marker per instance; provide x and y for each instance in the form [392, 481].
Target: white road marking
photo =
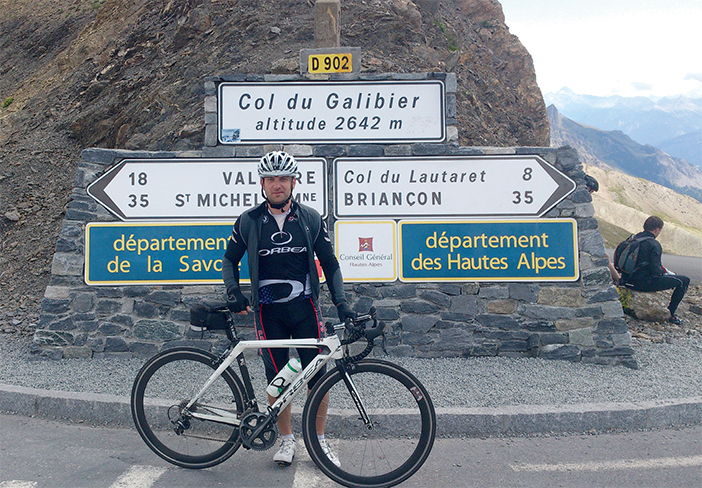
[307, 473]
[138, 477]
[622, 464]
[18, 484]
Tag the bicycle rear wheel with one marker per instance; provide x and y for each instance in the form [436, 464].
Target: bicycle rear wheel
[163, 386]
[402, 418]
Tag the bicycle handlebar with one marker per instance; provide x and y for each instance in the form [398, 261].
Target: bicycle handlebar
[357, 330]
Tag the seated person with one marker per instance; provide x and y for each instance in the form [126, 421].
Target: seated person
[591, 184]
[650, 275]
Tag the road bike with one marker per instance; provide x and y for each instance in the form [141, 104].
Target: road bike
[192, 409]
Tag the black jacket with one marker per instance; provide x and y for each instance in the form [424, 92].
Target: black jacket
[247, 230]
[649, 261]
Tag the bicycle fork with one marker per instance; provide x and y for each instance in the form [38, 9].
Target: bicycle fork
[354, 395]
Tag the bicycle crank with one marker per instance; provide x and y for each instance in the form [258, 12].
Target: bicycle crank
[257, 432]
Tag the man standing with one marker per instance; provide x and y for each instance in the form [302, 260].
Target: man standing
[282, 238]
[650, 275]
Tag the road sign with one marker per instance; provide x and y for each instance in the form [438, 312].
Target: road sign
[197, 188]
[119, 253]
[330, 60]
[489, 250]
[366, 250]
[146, 253]
[331, 112]
[464, 186]
[330, 63]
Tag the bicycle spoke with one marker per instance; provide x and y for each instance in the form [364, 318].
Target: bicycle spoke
[163, 388]
[402, 426]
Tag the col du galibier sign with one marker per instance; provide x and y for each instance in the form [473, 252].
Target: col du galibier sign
[340, 112]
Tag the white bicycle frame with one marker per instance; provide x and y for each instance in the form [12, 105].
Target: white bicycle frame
[332, 343]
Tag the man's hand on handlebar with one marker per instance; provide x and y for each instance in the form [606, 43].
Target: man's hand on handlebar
[237, 302]
[345, 312]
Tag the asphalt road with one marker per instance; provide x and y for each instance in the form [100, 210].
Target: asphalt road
[38, 453]
[684, 265]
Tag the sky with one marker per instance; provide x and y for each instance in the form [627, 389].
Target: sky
[612, 47]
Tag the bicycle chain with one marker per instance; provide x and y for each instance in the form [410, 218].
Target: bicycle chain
[224, 441]
[181, 407]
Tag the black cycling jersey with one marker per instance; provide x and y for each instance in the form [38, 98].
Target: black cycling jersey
[285, 303]
[282, 270]
[282, 257]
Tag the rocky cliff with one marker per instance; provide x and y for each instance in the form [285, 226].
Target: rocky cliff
[130, 74]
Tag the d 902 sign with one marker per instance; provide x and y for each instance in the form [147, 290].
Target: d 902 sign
[330, 63]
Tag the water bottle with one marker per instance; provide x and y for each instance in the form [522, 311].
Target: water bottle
[284, 377]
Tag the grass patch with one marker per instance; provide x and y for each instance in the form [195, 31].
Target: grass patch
[612, 234]
[620, 196]
[450, 37]
[8, 101]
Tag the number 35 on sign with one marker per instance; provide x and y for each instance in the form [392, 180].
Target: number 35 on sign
[330, 63]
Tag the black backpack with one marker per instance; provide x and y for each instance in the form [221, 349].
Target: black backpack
[626, 255]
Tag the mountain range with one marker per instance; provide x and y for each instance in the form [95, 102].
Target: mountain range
[636, 180]
[623, 202]
[616, 150]
[671, 124]
[687, 146]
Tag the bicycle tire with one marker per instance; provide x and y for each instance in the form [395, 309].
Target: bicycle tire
[170, 379]
[403, 418]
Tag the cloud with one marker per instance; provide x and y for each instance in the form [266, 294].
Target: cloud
[639, 86]
[694, 76]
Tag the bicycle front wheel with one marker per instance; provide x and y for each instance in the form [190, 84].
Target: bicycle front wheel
[396, 442]
[163, 386]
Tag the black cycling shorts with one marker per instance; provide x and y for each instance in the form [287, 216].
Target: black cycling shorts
[298, 319]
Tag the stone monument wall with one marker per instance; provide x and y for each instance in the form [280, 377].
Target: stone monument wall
[575, 321]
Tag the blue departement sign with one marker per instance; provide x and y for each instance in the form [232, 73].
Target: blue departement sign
[484, 250]
[153, 253]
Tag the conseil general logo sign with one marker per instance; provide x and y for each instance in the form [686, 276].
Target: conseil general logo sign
[366, 249]
[365, 244]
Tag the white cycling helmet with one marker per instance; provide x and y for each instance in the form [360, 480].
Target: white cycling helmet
[277, 163]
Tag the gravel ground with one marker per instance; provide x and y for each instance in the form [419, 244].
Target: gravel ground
[666, 371]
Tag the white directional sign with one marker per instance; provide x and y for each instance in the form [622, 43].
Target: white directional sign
[197, 188]
[488, 186]
[336, 112]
